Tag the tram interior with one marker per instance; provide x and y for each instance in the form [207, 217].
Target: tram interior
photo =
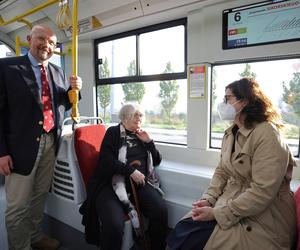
[186, 168]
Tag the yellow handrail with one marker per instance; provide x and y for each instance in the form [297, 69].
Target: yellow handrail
[29, 24]
[73, 94]
[75, 37]
[29, 12]
[18, 46]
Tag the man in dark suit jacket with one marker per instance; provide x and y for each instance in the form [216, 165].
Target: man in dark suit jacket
[27, 150]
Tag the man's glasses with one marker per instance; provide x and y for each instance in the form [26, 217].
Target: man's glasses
[43, 40]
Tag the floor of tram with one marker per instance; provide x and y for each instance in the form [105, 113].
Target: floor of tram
[70, 238]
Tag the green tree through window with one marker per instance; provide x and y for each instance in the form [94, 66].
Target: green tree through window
[134, 92]
[291, 93]
[247, 72]
[104, 90]
[169, 94]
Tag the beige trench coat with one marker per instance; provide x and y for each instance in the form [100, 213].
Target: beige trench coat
[250, 192]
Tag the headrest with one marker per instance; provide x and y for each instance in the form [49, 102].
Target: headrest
[87, 142]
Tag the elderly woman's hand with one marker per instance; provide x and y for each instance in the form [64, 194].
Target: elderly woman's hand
[138, 177]
[203, 213]
[143, 136]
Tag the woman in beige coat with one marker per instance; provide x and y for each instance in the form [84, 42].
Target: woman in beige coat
[248, 204]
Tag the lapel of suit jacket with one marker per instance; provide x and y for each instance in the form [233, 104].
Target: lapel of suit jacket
[29, 77]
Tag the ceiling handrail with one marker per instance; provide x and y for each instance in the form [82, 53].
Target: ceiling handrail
[29, 12]
[73, 94]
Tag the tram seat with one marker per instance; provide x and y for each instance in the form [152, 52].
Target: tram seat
[297, 200]
[87, 142]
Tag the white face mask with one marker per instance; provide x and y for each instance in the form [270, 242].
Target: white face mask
[227, 111]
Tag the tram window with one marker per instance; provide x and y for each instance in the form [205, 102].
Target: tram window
[162, 125]
[280, 79]
[117, 54]
[5, 51]
[129, 68]
[157, 48]
[56, 58]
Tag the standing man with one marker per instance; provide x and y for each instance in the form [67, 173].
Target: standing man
[33, 100]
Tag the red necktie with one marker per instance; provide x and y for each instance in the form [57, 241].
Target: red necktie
[46, 101]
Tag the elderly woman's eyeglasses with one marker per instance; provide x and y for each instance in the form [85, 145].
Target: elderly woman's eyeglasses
[227, 97]
[138, 115]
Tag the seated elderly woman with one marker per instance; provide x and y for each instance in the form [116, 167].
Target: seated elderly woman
[248, 204]
[127, 152]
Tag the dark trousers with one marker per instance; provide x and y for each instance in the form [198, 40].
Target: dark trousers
[111, 216]
[190, 235]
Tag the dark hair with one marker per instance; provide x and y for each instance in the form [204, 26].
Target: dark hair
[259, 108]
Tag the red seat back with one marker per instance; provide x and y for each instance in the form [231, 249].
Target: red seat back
[87, 142]
[297, 200]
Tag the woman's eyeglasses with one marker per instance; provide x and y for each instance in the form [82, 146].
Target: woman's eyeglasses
[226, 97]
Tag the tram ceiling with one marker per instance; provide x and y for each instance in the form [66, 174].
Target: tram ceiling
[106, 13]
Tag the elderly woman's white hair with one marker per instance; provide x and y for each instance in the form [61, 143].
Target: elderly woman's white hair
[128, 110]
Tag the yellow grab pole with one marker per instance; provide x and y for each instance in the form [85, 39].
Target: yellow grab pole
[29, 12]
[73, 94]
[18, 46]
[75, 37]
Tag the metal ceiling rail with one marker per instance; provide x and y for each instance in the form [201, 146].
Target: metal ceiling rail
[74, 94]
[29, 12]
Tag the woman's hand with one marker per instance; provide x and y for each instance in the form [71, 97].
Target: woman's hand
[201, 203]
[203, 213]
[138, 177]
[143, 136]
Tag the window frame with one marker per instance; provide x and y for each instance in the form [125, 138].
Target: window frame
[138, 77]
[239, 61]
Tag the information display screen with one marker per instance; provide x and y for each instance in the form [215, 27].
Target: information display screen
[261, 23]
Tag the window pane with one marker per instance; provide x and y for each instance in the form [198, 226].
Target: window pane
[165, 110]
[56, 59]
[158, 48]
[5, 51]
[279, 79]
[116, 56]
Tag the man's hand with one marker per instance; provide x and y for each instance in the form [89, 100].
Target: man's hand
[6, 164]
[138, 177]
[76, 82]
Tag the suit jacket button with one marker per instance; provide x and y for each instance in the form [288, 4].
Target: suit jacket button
[241, 161]
[249, 228]
[40, 122]
[38, 139]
